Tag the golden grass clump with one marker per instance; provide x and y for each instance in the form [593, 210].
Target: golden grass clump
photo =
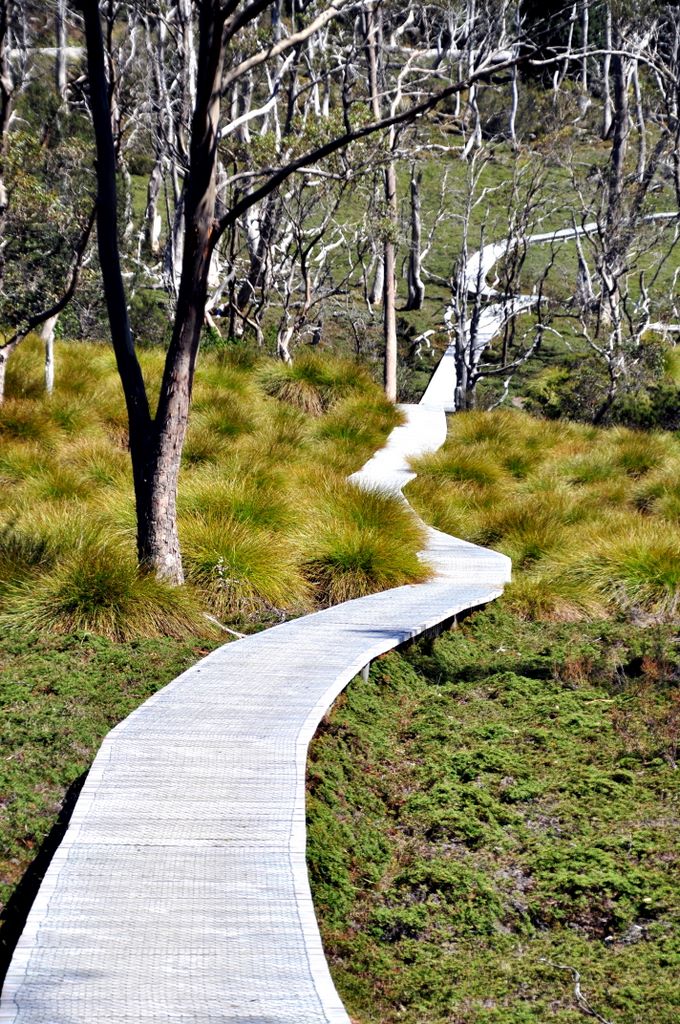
[98, 588]
[22, 420]
[359, 542]
[252, 493]
[249, 505]
[22, 554]
[552, 597]
[589, 516]
[312, 382]
[239, 570]
[353, 429]
[639, 452]
[635, 567]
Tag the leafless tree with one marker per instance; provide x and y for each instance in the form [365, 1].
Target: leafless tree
[480, 312]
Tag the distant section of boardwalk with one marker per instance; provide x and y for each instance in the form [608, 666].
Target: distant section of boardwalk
[180, 894]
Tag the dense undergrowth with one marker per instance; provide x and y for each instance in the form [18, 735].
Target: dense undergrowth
[495, 810]
[268, 524]
[590, 517]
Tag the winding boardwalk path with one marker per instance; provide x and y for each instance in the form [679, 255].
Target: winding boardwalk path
[180, 892]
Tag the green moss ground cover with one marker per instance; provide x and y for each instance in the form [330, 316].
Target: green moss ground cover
[494, 810]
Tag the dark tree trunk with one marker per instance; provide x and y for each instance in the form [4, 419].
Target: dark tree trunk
[416, 288]
[156, 444]
[158, 541]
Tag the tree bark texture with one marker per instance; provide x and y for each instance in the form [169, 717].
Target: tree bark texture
[390, 288]
[156, 444]
[416, 287]
[158, 541]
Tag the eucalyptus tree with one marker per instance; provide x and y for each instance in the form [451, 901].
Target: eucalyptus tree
[234, 41]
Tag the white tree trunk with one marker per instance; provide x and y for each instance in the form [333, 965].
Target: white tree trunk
[608, 107]
[152, 217]
[283, 340]
[60, 65]
[390, 288]
[375, 295]
[5, 353]
[513, 107]
[47, 335]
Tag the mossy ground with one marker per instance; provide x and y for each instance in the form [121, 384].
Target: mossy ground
[494, 804]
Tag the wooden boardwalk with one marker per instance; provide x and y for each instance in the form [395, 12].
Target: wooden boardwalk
[180, 892]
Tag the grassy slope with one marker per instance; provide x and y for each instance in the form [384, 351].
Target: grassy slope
[265, 461]
[590, 517]
[492, 805]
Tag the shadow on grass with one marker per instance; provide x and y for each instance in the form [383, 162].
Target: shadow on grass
[15, 913]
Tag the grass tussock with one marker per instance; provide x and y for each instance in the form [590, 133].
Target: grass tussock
[312, 383]
[589, 516]
[362, 541]
[261, 536]
[240, 569]
[98, 589]
[354, 428]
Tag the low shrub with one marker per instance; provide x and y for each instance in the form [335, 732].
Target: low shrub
[648, 398]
